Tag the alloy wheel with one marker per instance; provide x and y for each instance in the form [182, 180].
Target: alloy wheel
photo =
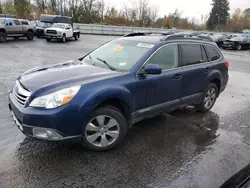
[102, 131]
[210, 98]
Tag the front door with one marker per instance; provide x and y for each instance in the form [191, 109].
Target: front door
[163, 90]
[69, 31]
[10, 26]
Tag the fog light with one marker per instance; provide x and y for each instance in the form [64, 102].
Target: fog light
[46, 134]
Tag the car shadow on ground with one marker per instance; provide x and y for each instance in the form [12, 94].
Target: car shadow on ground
[19, 40]
[153, 148]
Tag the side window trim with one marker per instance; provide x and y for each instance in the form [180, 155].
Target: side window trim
[221, 56]
[179, 65]
[203, 52]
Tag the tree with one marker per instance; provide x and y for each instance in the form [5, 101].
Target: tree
[23, 8]
[219, 14]
[1, 10]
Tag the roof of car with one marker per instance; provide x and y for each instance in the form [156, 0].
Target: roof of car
[154, 39]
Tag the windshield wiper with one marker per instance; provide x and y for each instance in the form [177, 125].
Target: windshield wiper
[108, 65]
[93, 63]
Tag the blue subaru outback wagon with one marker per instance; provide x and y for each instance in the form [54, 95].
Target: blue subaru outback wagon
[97, 98]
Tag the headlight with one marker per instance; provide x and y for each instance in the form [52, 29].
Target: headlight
[55, 99]
[59, 32]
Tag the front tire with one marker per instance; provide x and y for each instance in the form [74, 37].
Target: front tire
[3, 37]
[48, 40]
[208, 99]
[239, 47]
[105, 129]
[64, 38]
[30, 35]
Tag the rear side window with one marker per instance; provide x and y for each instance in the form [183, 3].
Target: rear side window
[191, 54]
[212, 53]
[25, 23]
[17, 22]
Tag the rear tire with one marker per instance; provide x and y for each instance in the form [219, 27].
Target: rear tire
[108, 132]
[208, 99]
[30, 35]
[76, 37]
[48, 40]
[3, 36]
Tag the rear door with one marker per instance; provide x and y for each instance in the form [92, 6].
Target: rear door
[196, 69]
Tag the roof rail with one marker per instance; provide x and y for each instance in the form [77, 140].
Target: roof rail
[134, 34]
[188, 37]
[7, 16]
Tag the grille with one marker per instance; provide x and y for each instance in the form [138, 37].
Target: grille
[227, 42]
[20, 94]
[51, 31]
[40, 31]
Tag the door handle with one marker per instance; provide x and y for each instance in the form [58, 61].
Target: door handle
[207, 69]
[177, 77]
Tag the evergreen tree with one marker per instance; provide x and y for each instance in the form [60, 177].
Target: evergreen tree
[219, 14]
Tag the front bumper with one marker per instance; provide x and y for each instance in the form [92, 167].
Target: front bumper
[40, 32]
[66, 121]
[228, 45]
[54, 36]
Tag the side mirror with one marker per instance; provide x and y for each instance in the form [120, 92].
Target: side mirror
[153, 69]
[7, 24]
[10, 23]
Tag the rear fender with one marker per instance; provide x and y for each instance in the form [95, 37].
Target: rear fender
[214, 74]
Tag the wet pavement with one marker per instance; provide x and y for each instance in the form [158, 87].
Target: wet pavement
[182, 149]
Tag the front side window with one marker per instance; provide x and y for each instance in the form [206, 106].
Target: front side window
[166, 57]
[25, 23]
[121, 54]
[191, 54]
[212, 53]
[10, 22]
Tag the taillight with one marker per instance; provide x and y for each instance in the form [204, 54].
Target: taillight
[226, 64]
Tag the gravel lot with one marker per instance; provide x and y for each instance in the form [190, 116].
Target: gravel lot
[183, 149]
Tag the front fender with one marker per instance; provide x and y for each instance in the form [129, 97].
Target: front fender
[102, 95]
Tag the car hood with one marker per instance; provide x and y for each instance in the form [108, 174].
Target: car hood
[235, 39]
[67, 73]
[42, 28]
[55, 28]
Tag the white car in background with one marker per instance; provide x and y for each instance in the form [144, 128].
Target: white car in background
[61, 31]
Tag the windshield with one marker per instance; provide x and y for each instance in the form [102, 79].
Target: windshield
[62, 26]
[44, 24]
[2, 21]
[120, 54]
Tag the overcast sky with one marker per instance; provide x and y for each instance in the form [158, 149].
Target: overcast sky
[189, 8]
